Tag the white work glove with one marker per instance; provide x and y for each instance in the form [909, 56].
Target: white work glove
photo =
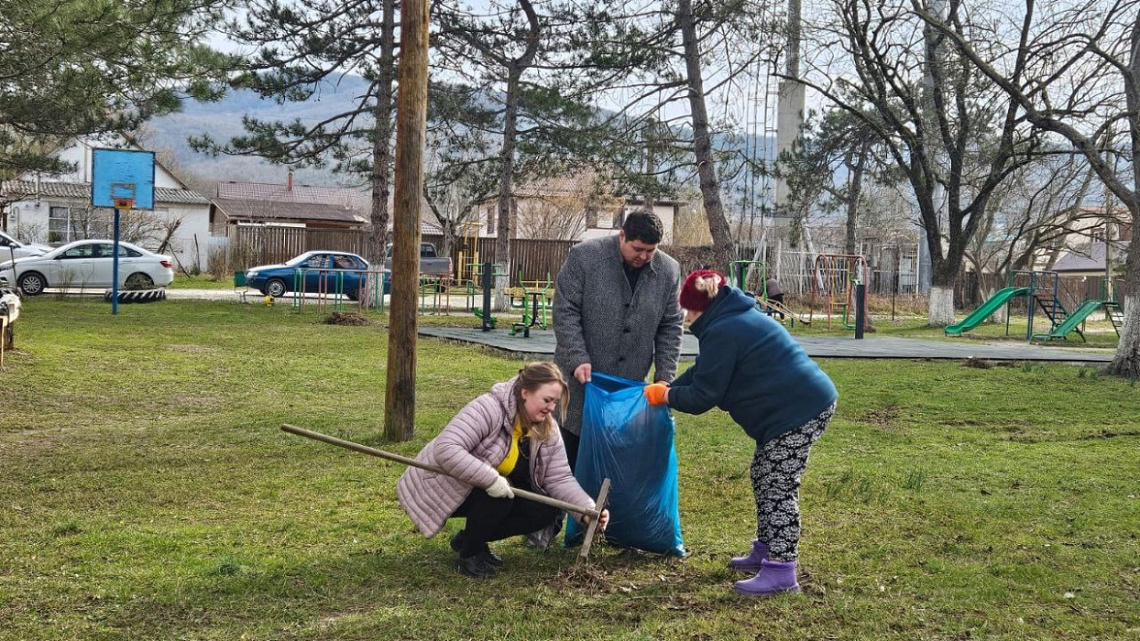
[500, 489]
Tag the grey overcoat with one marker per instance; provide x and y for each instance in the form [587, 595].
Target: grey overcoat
[599, 320]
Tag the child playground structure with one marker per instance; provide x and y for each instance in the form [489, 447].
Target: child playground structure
[835, 280]
[1041, 293]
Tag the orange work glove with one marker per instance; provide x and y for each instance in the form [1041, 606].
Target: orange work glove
[657, 394]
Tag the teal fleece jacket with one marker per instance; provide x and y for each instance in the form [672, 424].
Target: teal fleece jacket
[751, 367]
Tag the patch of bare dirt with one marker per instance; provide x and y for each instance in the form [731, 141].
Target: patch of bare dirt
[346, 318]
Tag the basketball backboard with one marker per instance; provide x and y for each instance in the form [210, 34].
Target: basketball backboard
[122, 176]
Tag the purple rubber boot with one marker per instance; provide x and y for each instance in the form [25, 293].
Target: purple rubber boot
[775, 577]
[751, 562]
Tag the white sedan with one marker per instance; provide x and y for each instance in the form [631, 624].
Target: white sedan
[11, 248]
[88, 263]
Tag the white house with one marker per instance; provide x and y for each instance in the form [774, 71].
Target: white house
[56, 210]
[569, 207]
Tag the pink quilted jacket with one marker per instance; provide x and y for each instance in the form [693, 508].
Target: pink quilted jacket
[469, 448]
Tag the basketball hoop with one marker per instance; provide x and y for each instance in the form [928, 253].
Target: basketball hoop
[124, 203]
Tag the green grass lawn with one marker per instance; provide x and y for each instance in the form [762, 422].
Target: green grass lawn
[202, 281]
[147, 492]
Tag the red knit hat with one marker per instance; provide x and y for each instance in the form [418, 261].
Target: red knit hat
[698, 291]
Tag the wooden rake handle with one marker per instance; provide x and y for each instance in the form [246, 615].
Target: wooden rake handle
[530, 496]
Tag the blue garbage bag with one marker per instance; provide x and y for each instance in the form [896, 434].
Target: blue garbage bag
[629, 441]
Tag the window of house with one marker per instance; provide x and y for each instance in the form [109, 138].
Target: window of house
[491, 220]
[591, 218]
[619, 218]
[59, 226]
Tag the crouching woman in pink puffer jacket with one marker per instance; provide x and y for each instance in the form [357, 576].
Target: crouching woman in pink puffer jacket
[503, 439]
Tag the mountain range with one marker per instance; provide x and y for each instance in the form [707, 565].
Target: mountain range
[222, 119]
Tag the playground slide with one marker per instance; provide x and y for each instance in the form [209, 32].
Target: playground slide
[1075, 319]
[989, 307]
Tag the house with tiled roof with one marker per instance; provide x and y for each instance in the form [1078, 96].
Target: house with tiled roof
[576, 206]
[287, 205]
[56, 209]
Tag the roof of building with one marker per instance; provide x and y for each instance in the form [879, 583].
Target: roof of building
[1089, 257]
[578, 184]
[82, 191]
[344, 196]
[250, 209]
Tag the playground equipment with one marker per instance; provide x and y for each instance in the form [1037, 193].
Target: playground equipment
[487, 277]
[1041, 290]
[434, 289]
[1076, 320]
[834, 279]
[334, 292]
[532, 297]
[468, 265]
[737, 270]
[995, 302]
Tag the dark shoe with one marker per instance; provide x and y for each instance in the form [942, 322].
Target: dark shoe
[751, 562]
[476, 566]
[457, 542]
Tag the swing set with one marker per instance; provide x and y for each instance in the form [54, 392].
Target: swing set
[739, 270]
[834, 278]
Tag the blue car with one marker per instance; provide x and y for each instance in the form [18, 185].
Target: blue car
[315, 271]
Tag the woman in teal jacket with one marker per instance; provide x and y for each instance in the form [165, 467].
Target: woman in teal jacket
[749, 366]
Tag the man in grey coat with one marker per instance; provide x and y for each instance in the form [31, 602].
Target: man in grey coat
[616, 312]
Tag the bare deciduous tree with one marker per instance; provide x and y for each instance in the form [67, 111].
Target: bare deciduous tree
[947, 128]
[1073, 69]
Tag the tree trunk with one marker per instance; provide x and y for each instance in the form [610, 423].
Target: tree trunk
[1127, 360]
[854, 191]
[941, 305]
[448, 241]
[945, 276]
[411, 126]
[382, 144]
[507, 158]
[702, 144]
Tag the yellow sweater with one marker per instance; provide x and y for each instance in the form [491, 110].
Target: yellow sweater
[508, 464]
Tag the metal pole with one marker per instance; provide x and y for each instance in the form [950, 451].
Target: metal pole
[115, 268]
[488, 280]
[860, 301]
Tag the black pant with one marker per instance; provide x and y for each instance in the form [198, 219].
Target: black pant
[570, 441]
[490, 519]
[779, 298]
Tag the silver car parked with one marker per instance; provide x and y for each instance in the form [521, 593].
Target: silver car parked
[88, 263]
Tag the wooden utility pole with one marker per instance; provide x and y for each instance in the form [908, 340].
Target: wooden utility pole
[411, 125]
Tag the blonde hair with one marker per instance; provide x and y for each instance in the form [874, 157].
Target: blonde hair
[530, 378]
[710, 284]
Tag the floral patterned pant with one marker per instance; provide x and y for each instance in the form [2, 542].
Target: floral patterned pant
[777, 469]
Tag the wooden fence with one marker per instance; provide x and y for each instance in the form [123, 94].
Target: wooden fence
[251, 246]
[535, 260]
[972, 289]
